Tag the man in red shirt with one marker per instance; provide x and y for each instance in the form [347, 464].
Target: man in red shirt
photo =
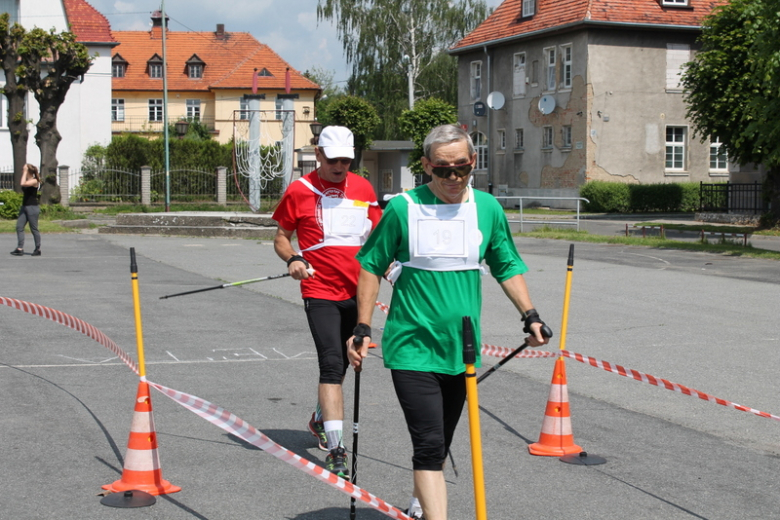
[332, 211]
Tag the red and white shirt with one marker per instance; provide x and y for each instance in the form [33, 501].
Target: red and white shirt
[300, 210]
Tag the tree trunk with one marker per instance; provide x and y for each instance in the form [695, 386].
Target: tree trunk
[17, 126]
[48, 138]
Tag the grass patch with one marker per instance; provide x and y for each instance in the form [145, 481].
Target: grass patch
[45, 226]
[725, 247]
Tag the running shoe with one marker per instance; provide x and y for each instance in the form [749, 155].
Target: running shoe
[318, 430]
[336, 462]
[18, 252]
[414, 515]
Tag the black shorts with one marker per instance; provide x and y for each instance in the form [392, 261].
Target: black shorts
[432, 404]
[331, 325]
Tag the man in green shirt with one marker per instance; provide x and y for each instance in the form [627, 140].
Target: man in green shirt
[436, 236]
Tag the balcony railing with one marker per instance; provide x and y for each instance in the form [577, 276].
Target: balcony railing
[142, 124]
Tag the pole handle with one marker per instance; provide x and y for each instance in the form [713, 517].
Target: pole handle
[469, 354]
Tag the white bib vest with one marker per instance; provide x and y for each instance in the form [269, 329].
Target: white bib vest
[442, 237]
[344, 221]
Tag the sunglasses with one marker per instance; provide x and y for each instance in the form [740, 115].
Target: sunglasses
[344, 162]
[445, 170]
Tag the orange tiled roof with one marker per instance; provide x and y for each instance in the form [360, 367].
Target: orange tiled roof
[505, 22]
[86, 22]
[229, 62]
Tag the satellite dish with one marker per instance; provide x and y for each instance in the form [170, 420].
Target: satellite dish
[495, 100]
[546, 105]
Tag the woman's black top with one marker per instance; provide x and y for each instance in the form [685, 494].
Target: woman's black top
[30, 194]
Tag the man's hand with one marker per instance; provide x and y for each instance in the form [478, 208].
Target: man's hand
[540, 332]
[357, 346]
[299, 268]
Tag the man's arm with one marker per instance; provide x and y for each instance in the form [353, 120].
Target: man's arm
[517, 292]
[367, 292]
[285, 251]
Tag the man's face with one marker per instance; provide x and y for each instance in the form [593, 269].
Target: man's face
[332, 170]
[450, 188]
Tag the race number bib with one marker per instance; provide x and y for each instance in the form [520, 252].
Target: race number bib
[443, 238]
[345, 221]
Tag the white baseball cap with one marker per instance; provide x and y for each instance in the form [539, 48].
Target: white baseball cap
[336, 142]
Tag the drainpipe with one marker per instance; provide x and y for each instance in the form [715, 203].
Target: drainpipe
[489, 130]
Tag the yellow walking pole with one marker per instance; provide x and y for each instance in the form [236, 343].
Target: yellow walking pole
[139, 333]
[469, 358]
[566, 296]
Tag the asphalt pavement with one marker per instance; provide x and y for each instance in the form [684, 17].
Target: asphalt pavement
[701, 320]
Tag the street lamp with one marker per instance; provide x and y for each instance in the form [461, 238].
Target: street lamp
[316, 130]
[181, 127]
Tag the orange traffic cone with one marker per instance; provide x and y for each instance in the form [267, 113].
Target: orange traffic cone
[556, 438]
[142, 463]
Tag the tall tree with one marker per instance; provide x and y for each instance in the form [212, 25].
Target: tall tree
[733, 86]
[45, 63]
[11, 37]
[418, 122]
[391, 44]
[358, 115]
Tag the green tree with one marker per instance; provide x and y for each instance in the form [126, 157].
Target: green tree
[418, 122]
[390, 42]
[358, 115]
[330, 89]
[733, 86]
[46, 64]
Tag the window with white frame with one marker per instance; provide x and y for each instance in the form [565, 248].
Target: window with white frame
[387, 181]
[502, 139]
[193, 109]
[566, 136]
[117, 109]
[243, 107]
[279, 107]
[675, 147]
[519, 139]
[677, 55]
[529, 8]
[518, 74]
[118, 70]
[675, 3]
[481, 147]
[719, 160]
[155, 70]
[155, 110]
[476, 80]
[566, 66]
[549, 63]
[196, 71]
[12, 8]
[547, 138]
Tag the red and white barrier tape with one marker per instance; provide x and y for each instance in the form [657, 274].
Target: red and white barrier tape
[235, 425]
[73, 323]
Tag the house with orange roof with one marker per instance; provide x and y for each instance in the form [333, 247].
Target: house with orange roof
[84, 117]
[557, 93]
[210, 76]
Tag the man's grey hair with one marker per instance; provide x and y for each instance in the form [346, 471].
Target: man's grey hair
[445, 134]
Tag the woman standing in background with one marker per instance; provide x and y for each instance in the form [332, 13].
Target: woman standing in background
[30, 210]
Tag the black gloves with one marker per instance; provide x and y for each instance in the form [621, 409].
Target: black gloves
[362, 330]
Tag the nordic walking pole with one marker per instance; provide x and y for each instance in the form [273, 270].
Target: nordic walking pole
[566, 295]
[546, 332]
[139, 333]
[355, 417]
[233, 284]
[469, 358]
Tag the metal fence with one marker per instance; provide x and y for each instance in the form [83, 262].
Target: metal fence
[186, 185]
[7, 178]
[105, 185]
[730, 197]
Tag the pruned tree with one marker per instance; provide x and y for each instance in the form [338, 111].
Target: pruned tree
[358, 115]
[45, 63]
[733, 86]
[418, 122]
[393, 43]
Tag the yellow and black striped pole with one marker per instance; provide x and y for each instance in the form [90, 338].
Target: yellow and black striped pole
[469, 359]
[139, 333]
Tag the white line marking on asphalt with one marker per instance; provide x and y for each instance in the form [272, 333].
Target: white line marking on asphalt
[90, 361]
[648, 256]
[169, 353]
[285, 357]
[190, 362]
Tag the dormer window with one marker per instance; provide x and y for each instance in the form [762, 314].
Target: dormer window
[118, 67]
[529, 8]
[265, 72]
[195, 67]
[675, 3]
[155, 67]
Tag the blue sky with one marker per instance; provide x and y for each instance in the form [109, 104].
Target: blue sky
[289, 27]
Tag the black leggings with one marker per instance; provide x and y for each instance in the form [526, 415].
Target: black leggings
[331, 325]
[432, 404]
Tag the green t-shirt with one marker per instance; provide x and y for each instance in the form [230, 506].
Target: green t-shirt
[424, 327]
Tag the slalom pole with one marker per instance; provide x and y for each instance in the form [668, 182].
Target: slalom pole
[566, 296]
[355, 417]
[469, 359]
[139, 333]
[233, 284]
[546, 332]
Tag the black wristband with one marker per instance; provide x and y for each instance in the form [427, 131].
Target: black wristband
[297, 258]
[362, 330]
[531, 316]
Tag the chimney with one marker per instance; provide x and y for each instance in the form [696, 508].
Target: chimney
[220, 32]
[156, 31]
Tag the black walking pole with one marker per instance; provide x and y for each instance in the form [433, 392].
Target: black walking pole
[358, 341]
[546, 332]
[224, 285]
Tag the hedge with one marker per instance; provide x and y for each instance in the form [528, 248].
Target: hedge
[617, 197]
